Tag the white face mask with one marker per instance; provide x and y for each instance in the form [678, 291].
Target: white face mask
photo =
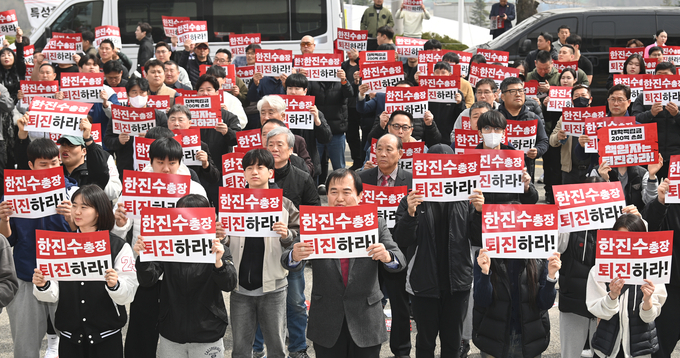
[492, 140]
[137, 101]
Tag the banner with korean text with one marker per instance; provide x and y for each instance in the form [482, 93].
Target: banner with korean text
[352, 39]
[206, 111]
[634, 82]
[196, 31]
[273, 62]
[619, 55]
[560, 66]
[154, 190]
[190, 139]
[141, 154]
[574, 118]
[590, 206]
[28, 59]
[522, 134]
[82, 87]
[55, 116]
[634, 256]
[627, 146]
[339, 232]
[409, 99]
[8, 22]
[107, 32]
[32, 89]
[661, 88]
[60, 51]
[239, 42]
[121, 93]
[408, 47]
[431, 57]
[441, 89]
[387, 199]
[671, 54]
[500, 170]
[519, 231]
[232, 171]
[560, 97]
[493, 56]
[159, 102]
[178, 235]
[413, 5]
[466, 139]
[251, 212]
[368, 57]
[73, 256]
[379, 76]
[170, 24]
[247, 140]
[319, 67]
[446, 177]
[298, 115]
[34, 193]
[95, 133]
[593, 124]
[132, 121]
[246, 74]
[495, 72]
[410, 149]
[39, 10]
[531, 89]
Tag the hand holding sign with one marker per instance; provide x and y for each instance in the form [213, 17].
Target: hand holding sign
[379, 253]
[484, 261]
[662, 190]
[218, 250]
[428, 118]
[672, 108]
[64, 209]
[222, 128]
[301, 251]
[281, 229]
[615, 288]
[526, 179]
[111, 278]
[604, 170]
[121, 216]
[477, 199]
[631, 209]
[140, 246]
[5, 211]
[413, 199]
[647, 291]
[554, 265]
[38, 278]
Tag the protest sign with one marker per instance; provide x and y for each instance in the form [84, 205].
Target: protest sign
[319, 68]
[673, 193]
[560, 97]
[154, 190]
[466, 139]
[619, 55]
[170, 24]
[387, 199]
[8, 23]
[500, 170]
[441, 89]
[661, 89]
[107, 32]
[368, 57]
[247, 140]
[190, 139]
[650, 65]
[159, 102]
[132, 121]
[593, 124]
[522, 134]
[82, 87]
[428, 58]
[379, 76]
[196, 31]
[590, 206]
[206, 111]
[251, 212]
[519, 231]
[408, 47]
[626, 146]
[239, 42]
[465, 58]
[74, 256]
[141, 154]
[60, 51]
[245, 73]
[121, 93]
[493, 56]
[635, 82]
[495, 72]
[413, 5]
[34, 193]
[446, 177]
[352, 39]
[531, 89]
[28, 59]
[273, 62]
[232, 171]
[32, 89]
[496, 23]
[671, 54]
[410, 148]
[560, 66]
[574, 119]
[56, 116]
[409, 99]
[298, 115]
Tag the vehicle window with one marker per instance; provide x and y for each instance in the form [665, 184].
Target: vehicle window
[270, 18]
[643, 30]
[132, 12]
[551, 28]
[309, 18]
[671, 25]
[77, 18]
[602, 35]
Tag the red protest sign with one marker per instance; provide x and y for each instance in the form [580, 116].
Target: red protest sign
[133, 121]
[320, 67]
[500, 170]
[8, 22]
[206, 111]
[28, 59]
[671, 54]
[661, 89]
[522, 134]
[633, 81]
[634, 256]
[379, 76]
[178, 235]
[352, 39]
[60, 51]
[112, 33]
[156, 190]
[190, 139]
[232, 170]
[369, 57]
[141, 154]
[493, 56]
[495, 72]
[82, 87]
[34, 193]
[245, 73]
[32, 89]
[560, 66]
[531, 89]
[593, 124]
[519, 231]
[413, 5]
[627, 146]
[251, 212]
[410, 99]
[196, 31]
[55, 116]
[650, 65]
[574, 118]
[560, 97]
[466, 139]
[673, 194]
[427, 57]
[410, 149]
[273, 62]
[170, 24]
[465, 58]
[408, 47]
[339, 232]
[230, 79]
[239, 42]
[387, 199]
[619, 55]
[159, 102]
[73, 256]
[441, 89]
[446, 177]
[298, 115]
[247, 140]
[588, 206]
[95, 133]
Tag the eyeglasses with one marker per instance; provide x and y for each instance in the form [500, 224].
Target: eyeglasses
[306, 44]
[514, 92]
[485, 93]
[404, 128]
[489, 129]
[617, 100]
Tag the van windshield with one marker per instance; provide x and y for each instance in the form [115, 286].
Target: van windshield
[508, 36]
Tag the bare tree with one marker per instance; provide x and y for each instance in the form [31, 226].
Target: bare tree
[525, 9]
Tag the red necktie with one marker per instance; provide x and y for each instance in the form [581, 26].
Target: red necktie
[344, 266]
[384, 180]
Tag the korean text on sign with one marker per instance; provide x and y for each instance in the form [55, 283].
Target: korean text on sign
[671, 54]
[560, 66]
[635, 82]
[155, 190]
[368, 57]
[410, 99]
[196, 31]
[560, 97]
[339, 232]
[133, 121]
[141, 152]
[413, 5]
[634, 256]
[170, 24]
[178, 235]
[531, 89]
[628, 145]
[466, 139]
[410, 149]
[232, 170]
[446, 177]
[73, 256]
[190, 139]
[60, 51]
[619, 55]
[492, 56]
[379, 76]
[494, 72]
[408, 47]
[501, 170]
[121, 93]
[34, 193]
[522, 134]
[273, 62]
[206, 111]
[663, 89]
[159, 102]
[519, 231]
[320, 67]
[246, 74]
[574, 118]
[32, 89]
[8, 22]
[247, 140]
[251, 212]
[441, 89]
[430, 57]
[352, 39]
[107, 32]
[298, 115]
[239, 42]
[387, 199]
[593, 124]
[96, 134]
[589, 206]
[82, 87]
[55, 116]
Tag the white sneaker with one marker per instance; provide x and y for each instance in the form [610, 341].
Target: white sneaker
[52, 346]
[587, 353]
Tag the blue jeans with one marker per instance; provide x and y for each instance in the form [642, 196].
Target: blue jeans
[335, 150]
[247, 312]
[296, 315]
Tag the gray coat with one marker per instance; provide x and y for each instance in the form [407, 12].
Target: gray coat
[358, 303]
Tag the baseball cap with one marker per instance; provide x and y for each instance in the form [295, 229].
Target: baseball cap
[72, 139]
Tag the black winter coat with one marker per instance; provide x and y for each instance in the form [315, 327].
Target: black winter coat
[577, 260]
[125, 152]
[145, 53]
[667, 126]
[662, 217]
[297, 185]
[331, 99]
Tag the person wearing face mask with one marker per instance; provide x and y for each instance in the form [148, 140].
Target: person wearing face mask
[138, 92]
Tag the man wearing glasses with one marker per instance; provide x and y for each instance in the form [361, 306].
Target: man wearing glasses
[513, 108]
[240, 90]
[399, 123]
[487, 91]
[193, 63]
[164, 54]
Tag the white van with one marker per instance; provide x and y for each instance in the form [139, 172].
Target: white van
[282, 23]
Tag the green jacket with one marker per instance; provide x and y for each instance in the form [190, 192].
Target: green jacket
[371, 21]
[553, 77]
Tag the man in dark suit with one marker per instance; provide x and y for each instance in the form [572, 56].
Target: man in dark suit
[345, 314]
[388, 152]
[505, 11]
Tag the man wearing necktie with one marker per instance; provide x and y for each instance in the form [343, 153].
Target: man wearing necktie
[345, 315]
[389, 151]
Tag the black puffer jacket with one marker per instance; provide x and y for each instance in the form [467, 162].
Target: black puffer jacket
[465, 229]
[10, 77]
[577, 260]
[297, 185]
[667, 126]
[331, 99]
[445, 115]
[192, 308]
[662, 217]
